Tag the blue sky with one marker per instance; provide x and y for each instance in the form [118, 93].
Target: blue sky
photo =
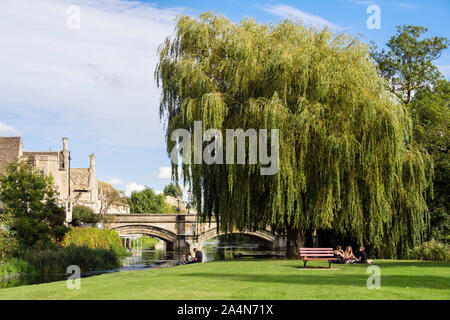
[94, 84]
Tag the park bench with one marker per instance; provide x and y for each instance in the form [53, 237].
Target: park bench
[307, 254]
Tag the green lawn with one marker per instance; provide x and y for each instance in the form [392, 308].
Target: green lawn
[268, 279]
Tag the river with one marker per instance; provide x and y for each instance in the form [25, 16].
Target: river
[224, 248]
[240, 247]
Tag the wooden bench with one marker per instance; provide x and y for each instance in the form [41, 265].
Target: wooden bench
[307, 254]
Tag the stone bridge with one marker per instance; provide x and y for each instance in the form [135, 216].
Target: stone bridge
[183, 231]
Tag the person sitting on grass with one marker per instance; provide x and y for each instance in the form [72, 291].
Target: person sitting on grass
[187, 257]
[363, 256]
[198, 256]
[349, 257]
[339, 254]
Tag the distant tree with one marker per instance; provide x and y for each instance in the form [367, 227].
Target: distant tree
[83, 214]
[407, 66]
[173, 190]
[147, 201]
[30, 202]
[430, 110]
[109, 198]
[409, 70]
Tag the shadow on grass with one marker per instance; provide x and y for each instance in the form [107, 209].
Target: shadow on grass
[331, 279]
[380, 263]
[404, 263]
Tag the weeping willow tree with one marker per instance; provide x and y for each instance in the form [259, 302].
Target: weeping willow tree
[346, 159]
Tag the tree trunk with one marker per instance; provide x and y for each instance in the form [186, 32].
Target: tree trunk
[295, 241]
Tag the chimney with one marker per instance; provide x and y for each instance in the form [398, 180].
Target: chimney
[92, 165]
[93, 186]
[65, 144]
[66, 156]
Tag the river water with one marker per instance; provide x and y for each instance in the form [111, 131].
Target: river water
[230, 248]
[241, 248]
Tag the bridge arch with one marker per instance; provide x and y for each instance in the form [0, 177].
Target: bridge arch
[152, 231]
[264, 235]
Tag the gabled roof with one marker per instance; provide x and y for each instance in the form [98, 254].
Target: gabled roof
[9, 151]
[40, 153]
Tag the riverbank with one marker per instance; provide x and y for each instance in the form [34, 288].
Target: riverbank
[255, 279]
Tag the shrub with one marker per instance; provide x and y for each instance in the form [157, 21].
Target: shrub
[8, 245]
[13, 271]
[83, 214]
[94, 238]
[431, 250]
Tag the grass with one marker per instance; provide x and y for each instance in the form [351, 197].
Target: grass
[266, 279]
[149, 242]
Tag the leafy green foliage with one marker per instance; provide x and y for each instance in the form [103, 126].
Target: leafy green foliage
[431, 115]
[12, 272]
[409, 70]
[30, 201]
[407, 66]
[173, 190]
[94, 238]
[147, 201]
[149, 242]
[346, 159]
[8, 245]
[83, 214]
[432, 250]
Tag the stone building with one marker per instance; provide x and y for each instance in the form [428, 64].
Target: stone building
[75, 186]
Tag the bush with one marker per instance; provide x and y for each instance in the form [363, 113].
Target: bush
[8, 245]
[13, 271]
[95, 239]
[83, 214]
[51, 265]
[431, 250]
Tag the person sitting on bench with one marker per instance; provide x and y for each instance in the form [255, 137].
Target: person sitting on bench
[339, 254]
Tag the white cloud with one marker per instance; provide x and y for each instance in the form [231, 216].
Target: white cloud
[163, 173]
[97, 80]
[405, 5]
[133, 186]
[362, 2]
[8, 131]
[285, 11]
[115, 181]
[445, 69]
[158, 192]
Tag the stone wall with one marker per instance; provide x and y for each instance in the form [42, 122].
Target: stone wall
[11, 149]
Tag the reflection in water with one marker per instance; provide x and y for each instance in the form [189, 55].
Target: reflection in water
[149, 257]
[222, 248]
